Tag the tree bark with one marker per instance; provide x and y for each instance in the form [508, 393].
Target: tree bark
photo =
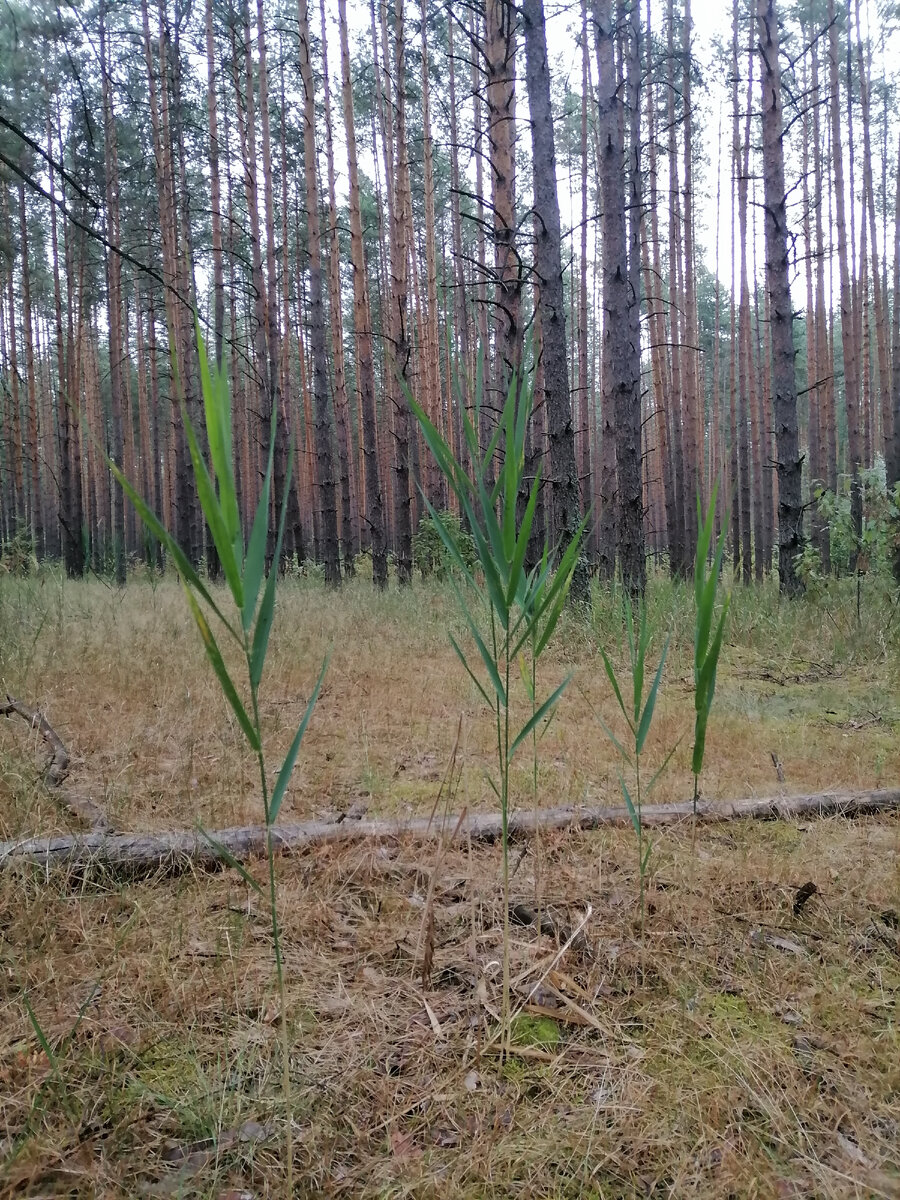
[349, 539]
[894, 469]
[275, 408]
[324, 449]
[401, 237]
[500, 59]
[662, 391]
[114, 302]
[215, 191]
[621, 386]
[848, 308]
[584, 386]
[784, 382]
[564, 492]
[71, 533]
[362, 321]
[693, 392]
[138, 853]
[429, 336]
[165, 188]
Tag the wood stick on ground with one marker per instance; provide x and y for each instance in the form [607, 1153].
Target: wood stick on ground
[143, 853]
[58, 768]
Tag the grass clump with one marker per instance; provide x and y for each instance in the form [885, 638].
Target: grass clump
[252, 591]
[638, 714]
[509, 608]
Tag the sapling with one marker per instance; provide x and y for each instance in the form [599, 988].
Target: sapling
[638, 717]
[707, 641]
[252, 592]
[508, 609]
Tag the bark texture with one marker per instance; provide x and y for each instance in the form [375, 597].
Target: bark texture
[140, 853]
[621, 384]
[784, 382]
[564, 493]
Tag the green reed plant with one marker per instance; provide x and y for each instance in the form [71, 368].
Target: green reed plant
[707, 636]
[638, 713]
[509, 609]
[252, 591]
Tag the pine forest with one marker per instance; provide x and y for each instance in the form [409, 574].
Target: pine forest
[698, 251]
[449, 591]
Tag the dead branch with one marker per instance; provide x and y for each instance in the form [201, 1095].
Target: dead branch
[57, 769]
[142, 853]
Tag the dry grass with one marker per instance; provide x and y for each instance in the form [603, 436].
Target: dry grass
[124, 680]
[745, 1051]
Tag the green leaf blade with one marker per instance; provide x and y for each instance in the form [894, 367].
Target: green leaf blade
[290, 758]
[218, 664]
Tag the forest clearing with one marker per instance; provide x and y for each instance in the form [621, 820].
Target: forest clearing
[748, 1049]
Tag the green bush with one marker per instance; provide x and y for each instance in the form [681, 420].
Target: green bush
[880, 526]
[430, 553]
[17, 556]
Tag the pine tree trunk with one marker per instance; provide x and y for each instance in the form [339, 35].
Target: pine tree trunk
[273, 332]
[482, 348]
[790, 464]
[401, 348]
[584, 386]
[362, 322]
[878, 296]
[349, 540]
[823, 391]
[754, 392]
[16, 442]
[189, 373]
[500, 60]
[294, 536]
[260, 431]
[621, 385]
[750, 514]
[812, 366]
[436, 485]
[165, 184]
[677, 407]
[848, 311]
[659, 357]
[71, 536]
[114, 304]
[693, 390]
[215, 191]
[324, 450]
[564, 493]
[735, 408]
[458, 370]
[74, 357]
[894, 469]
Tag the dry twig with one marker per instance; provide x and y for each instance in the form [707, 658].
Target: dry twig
[57, 769]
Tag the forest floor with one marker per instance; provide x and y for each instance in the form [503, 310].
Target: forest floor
[739, 1048]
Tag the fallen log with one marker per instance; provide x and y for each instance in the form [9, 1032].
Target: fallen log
[57, 768]
[142, 853]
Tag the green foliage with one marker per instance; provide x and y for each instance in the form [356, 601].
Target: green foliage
[430, 554]
[707, 640]
[252, 591]
[880, 526]
[17, 555]
[542, 1032]
[507, 607]
[638, 713]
